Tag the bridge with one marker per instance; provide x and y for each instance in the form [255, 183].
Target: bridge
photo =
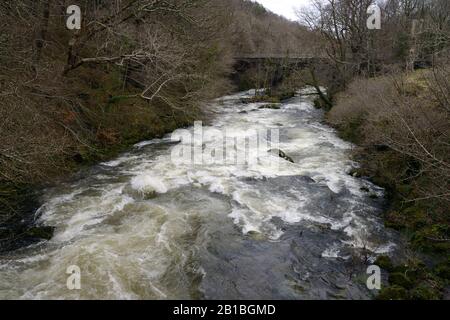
[282, 62]
[276, 66]
[276, 56]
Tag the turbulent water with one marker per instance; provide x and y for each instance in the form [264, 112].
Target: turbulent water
[143, 227]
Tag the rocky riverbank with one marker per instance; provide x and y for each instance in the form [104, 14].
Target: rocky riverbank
[360, 117]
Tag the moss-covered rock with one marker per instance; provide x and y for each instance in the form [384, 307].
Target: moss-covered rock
[432, 238]
[286, 95]
[393, 293]
[255, 235]
[411, 281]
[384, 262]
[356, 172]
[394, 219]
[442, 270]
[320, 103]
[425, 292]
[417, 217]
[401, 280]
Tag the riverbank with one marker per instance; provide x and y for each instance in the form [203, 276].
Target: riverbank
[107, 118]
[19, 202]
[395, 122]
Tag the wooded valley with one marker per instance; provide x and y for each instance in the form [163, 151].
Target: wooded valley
[139, 69]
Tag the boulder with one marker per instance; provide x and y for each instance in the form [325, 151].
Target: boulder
[281, 154]
[270, 106]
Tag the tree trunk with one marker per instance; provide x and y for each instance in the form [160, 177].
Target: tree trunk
[41, 34]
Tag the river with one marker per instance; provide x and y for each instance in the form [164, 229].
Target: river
[143, 227]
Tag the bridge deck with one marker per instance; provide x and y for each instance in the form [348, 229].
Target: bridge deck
[275, 56]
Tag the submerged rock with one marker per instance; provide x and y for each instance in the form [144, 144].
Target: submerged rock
[355, 172]
[255, 235]
[270, 106]
[281, 154]
[365, 189]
